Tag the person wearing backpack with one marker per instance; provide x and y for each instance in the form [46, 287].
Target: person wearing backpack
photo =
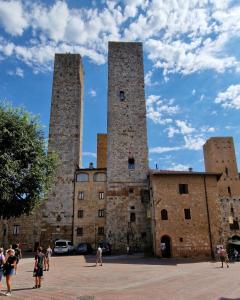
[38, 267]
[2, 262]
[18, 254]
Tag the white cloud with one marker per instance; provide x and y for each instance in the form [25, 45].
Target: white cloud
[12, 17]
[193, 92]
[230, 98]
[159, 111]
[18, 72]
[148, 79]
[179, 36]
[92, 154]
[178, 167]
[194, 142]
[163, 149]
[184, 127]
[92, 93]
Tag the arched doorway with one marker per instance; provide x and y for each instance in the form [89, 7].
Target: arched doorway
[166, 246]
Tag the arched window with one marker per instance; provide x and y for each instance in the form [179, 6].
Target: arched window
[164, 214]
[82, 177]
[121, 95]
[99, 177]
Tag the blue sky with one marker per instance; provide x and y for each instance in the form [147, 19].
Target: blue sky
[191, 61]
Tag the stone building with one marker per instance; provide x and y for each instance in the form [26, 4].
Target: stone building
[184, 212]
[219, 156]
[121, 201]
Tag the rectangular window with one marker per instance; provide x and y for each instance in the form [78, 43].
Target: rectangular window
[234, 225]
[101, 213]
[229, 191]
[132, 217]
[16, 229]
[187, 213]
[100, 230]
[81, 195]
[79, 231]
[80, 213]
[101, 195]
[183, 189]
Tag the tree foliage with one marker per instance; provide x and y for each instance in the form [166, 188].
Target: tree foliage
[26, 169]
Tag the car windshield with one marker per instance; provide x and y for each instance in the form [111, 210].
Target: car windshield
[60, 244]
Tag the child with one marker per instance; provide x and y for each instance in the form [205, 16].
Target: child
[38, 267]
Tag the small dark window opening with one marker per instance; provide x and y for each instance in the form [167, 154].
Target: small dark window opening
[132, 217]
[234, 225]
[131, 163]
[143, 235]
[132, 207]
[131, 190]
[164, 214]
[229, 191]
[100, 230]
[79, 231]
[80, 213]
[232, 210]
[183, 189]
[181, 240]
[187, 214]
[121, 95]
[226, 171]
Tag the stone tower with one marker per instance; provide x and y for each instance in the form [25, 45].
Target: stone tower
[127, 160]
[65, 138]
[219, 156]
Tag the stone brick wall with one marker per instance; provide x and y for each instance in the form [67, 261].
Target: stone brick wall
[90, 205]
[189, 237]
[65, 138]
[102, 150]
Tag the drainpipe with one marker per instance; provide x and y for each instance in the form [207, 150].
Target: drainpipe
[208, 217]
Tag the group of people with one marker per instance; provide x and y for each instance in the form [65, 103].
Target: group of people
[9, 263]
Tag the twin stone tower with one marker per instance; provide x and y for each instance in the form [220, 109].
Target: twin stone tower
[126, 163]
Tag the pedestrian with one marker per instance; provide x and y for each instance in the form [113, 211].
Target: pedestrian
[18, 254]
[235, 253]
[9, 269]
[38, 267]
[48, 254]
[2, 262]
[223, 257]
[99, 256]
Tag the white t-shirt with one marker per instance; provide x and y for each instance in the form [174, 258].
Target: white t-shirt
[99, 251]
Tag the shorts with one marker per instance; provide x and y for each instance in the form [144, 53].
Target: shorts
[9, 272]
[38, 272]
[222, 258]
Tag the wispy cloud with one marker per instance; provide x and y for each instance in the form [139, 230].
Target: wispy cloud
[18, 72]
[92, 154]
[92, 93]
[230, 98]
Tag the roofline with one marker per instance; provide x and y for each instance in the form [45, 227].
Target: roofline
[166, 172]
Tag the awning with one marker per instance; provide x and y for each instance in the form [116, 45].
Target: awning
[234, 242]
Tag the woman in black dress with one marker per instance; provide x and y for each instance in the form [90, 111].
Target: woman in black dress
[9, 267]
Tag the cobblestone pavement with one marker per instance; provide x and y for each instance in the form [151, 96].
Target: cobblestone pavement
[133, 277]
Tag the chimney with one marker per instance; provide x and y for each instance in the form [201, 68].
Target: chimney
[190, 169]
[91, 165]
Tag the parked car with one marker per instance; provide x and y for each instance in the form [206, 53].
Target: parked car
[84, 248]
[106, 248]
[63, 247]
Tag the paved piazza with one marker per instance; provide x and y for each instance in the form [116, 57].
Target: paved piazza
[133, 277]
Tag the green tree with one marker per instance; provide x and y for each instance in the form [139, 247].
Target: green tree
[26, 169]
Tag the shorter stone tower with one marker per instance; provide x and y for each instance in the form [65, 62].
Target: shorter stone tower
[65, 139]
[102, 150]
[219, 156]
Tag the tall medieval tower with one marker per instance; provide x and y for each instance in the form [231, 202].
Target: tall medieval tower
[65, 139]
[127, 159]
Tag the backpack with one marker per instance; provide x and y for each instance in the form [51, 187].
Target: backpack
[40, 261]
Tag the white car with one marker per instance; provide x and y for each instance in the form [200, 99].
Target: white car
[63, 247]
